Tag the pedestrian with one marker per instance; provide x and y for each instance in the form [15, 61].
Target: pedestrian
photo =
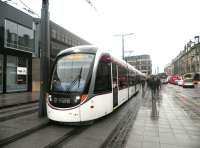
[153, 87]
[158, 86]
[143, 86]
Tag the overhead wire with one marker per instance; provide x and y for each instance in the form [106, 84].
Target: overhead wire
[91, 4]
[27, 8]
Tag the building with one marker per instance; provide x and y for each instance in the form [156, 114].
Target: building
[19, 48]
[141, 62]
[16, 44]
[188, 60]
[168, 69]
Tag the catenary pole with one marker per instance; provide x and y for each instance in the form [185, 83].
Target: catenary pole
[122, 36]
[44, 57]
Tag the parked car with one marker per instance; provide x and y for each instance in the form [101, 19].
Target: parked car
[173, 79]
[188, 80]
[180, 81]
[196, 79]
[163, 78]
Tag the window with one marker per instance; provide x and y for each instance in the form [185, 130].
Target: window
[131, 78]
[17, 74]
[71, 73]
[11, 34]
[25, 38]
[122, 77]
[19, 37]
[53, 33]
[103, 77]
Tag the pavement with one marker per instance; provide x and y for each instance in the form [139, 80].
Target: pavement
[173, 128]
[13, 99]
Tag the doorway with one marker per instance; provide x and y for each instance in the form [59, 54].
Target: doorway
[115, 85]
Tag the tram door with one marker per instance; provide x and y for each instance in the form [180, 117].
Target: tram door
[114, 85]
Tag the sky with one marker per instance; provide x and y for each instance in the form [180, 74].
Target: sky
[161, 27]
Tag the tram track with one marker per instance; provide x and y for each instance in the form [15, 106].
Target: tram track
[22, 134]
[18, 107]
[118, 137]
[61, 135]
[18, 104]
[10, 113]
[53, 135]
[66, 137]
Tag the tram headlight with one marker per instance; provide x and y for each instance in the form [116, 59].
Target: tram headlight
[77, 99]
[50, 98]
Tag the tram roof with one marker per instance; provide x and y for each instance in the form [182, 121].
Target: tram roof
[82, 48]
[93, 49]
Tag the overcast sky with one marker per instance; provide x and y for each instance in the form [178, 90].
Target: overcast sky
[161, 27]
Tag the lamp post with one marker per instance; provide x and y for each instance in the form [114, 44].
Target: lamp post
[122, 36]
[44, 57]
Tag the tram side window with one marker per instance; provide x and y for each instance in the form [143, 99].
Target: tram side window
[131, 78]
[122, 78]
[103, 78]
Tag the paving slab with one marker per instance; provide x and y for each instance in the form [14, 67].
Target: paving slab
[174, 127]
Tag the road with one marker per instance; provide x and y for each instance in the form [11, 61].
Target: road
[179, 108]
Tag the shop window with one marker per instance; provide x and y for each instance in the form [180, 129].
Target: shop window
[16, 75]
[103, 77]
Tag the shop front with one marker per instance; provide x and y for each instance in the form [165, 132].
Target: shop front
[15, 72]
[16, 58]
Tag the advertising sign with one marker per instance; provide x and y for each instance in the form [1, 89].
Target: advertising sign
[21, 71]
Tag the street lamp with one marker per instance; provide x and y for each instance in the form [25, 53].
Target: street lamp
[44, 57]
[123, 35]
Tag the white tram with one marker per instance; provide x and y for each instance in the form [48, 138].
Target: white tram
[87, 84]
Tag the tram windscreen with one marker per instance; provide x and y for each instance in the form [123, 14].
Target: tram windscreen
[71, 72]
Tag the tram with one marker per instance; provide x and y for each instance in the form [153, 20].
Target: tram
[87, 83]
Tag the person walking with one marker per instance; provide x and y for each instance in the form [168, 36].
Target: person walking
[143, 86]
[158, 87]
[153, 87]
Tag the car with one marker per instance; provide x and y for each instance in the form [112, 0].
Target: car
[163, 78]
[164, 81]
[196, 79]
[180, 82]
[188, 80]
[173, 79]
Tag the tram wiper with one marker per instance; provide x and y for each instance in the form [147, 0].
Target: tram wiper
[73, 83]
[79, 77]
